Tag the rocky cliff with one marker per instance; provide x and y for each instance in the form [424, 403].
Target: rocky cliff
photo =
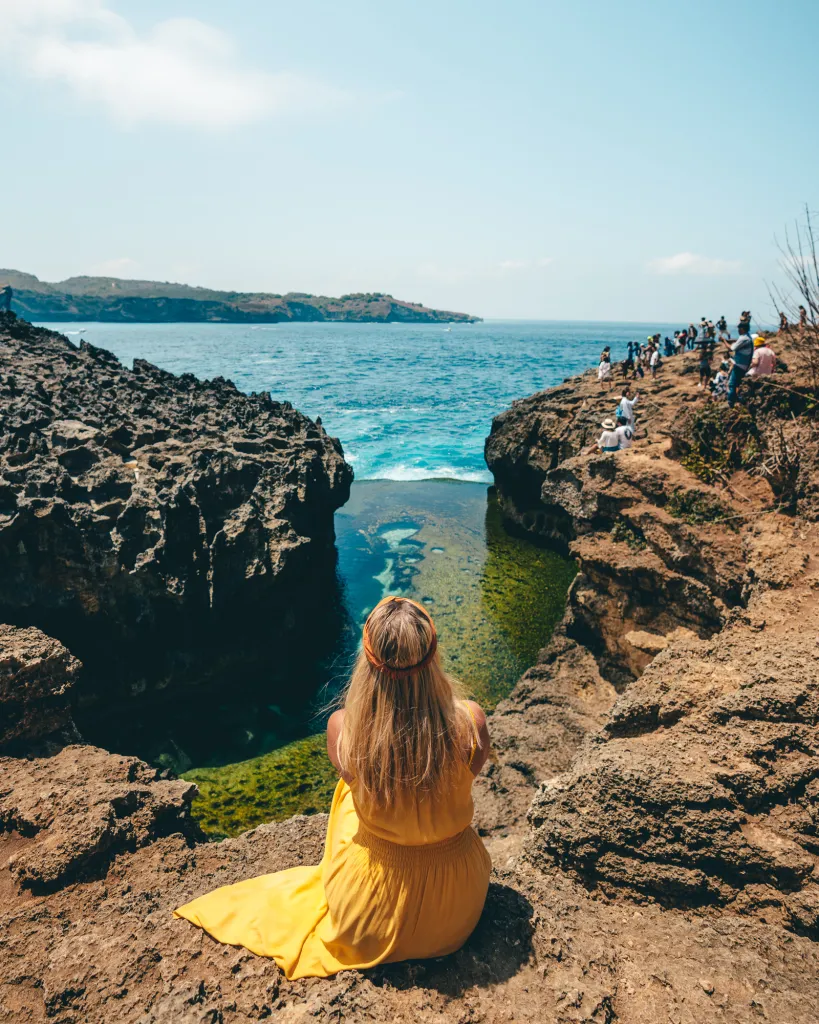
[155, 524]
[651, 808]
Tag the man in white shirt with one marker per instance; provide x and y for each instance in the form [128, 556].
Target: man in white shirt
[626, 406]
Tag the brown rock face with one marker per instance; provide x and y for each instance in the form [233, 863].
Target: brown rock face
[36, 677]
[700, 790]
[72, 813]
[703, 786]
[155, 524]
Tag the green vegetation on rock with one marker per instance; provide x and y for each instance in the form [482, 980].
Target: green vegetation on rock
[296, 779]
[695, 507]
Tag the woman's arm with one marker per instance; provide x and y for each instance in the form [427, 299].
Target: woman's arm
[484, 743]
[334, 727]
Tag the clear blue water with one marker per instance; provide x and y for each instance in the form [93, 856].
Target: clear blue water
[409, 402]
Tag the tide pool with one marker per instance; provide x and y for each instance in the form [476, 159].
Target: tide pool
[495, 600]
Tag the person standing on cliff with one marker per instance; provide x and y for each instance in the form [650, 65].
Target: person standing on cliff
[742, 351]
[5, 297]
[744, 325]
[706, 355]
[604, 369]
[626, 406]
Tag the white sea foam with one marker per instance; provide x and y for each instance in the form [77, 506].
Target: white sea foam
[396, 537]
[404, 472]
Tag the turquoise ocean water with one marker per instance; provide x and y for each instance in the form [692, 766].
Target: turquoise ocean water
[409, 402]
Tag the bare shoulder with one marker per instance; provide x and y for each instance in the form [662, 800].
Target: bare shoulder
[334, 727]
[335, 722]
[478, 714]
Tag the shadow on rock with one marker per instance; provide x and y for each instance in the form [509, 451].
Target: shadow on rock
[498, 948]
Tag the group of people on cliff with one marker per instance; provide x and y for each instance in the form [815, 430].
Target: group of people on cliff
[746, 357]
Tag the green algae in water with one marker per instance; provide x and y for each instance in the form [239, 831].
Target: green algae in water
[295, 779]
[495, 599]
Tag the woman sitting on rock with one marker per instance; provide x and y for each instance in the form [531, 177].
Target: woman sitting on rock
[404, 875]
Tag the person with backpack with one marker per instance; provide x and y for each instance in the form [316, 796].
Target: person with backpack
[692, 335]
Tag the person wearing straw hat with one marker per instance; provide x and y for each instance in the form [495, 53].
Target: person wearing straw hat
[608, 440]
[404, 874]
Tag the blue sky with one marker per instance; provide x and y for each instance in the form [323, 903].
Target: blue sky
[584, 160]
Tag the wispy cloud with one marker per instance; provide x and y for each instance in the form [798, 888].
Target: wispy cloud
[182, 71]
[692, 263]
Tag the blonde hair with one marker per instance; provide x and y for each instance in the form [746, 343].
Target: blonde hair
[406, 726]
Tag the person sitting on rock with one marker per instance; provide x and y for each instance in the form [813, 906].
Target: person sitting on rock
[764, 358]
[624, 432]
[719, 382]
[404, 874]
[608, 440]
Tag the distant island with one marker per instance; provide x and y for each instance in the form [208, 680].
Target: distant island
[112, 300]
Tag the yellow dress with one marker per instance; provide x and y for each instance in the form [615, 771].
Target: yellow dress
[400, 883]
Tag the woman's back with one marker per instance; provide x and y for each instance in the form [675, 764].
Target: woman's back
[419, 818]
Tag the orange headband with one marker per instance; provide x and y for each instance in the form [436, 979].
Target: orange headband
[392, 670]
